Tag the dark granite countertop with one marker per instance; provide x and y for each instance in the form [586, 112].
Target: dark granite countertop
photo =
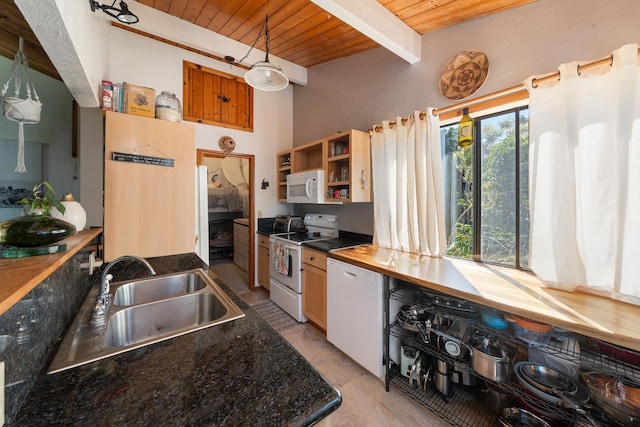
[238, 373]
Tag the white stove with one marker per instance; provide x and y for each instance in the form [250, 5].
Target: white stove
[285, 258]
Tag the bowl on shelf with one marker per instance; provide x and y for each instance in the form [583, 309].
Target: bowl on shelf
[530, 331]
[617, 397]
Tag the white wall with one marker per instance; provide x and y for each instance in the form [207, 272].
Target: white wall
[147, 62]
[362, 90]
[53, 133]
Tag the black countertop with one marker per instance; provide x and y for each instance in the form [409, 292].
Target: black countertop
[237, 373]
[332, 244]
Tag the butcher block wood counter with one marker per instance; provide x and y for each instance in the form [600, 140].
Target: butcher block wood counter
[506, 289]
[18, 276]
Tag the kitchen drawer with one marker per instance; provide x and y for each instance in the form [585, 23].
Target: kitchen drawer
[263, 241]
[315, 258]
[240, 260]
[241, 232]
[242, 248]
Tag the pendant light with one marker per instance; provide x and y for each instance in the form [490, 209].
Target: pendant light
[123, 14]
[264, 75]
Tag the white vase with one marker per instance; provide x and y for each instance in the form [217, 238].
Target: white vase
[74, 212]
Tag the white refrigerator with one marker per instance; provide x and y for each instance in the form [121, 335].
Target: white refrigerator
[202, 214]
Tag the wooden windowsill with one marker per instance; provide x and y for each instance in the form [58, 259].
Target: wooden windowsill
[18, 276]
[506, 289]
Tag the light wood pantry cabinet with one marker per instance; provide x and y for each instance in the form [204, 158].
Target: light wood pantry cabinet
[348, 167]
[149, 191]
[314, 286]
[263, 261]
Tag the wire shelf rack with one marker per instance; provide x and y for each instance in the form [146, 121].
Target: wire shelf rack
[466, 407]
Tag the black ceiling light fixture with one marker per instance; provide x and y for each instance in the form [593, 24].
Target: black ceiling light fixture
[264, 75]
[123, 14]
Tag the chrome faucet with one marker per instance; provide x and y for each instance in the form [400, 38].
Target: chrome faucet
[102, 303]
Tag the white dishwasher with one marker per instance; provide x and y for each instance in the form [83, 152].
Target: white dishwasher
[354, 313]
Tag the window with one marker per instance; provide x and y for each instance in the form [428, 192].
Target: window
[486, 189]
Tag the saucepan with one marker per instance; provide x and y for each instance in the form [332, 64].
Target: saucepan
[490, 359]
[554, 387]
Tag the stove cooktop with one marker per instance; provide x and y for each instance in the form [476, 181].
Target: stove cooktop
[300, 238]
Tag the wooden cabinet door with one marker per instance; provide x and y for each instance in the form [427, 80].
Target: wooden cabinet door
[216, 98]
[149, 209]
[263, 266]
[314, 295]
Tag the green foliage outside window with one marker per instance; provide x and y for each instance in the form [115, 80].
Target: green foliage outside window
[498, 193]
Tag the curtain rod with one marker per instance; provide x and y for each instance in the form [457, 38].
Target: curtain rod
[505, 92]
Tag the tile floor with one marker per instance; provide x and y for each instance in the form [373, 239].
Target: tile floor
[364, 399]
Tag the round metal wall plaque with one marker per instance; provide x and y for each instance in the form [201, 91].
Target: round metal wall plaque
[463, 74]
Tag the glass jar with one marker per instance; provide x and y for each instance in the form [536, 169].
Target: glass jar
[168, 107]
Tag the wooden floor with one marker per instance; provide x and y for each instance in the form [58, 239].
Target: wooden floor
[364, 399]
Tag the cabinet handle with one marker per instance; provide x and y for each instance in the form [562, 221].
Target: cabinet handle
[311, 258]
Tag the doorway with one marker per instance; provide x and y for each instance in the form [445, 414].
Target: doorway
[230, 193]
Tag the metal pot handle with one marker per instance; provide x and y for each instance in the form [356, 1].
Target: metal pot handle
[572, 403]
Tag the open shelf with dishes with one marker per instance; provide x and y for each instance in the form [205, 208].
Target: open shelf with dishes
[430, 345]
[348, 167]
[283, 168]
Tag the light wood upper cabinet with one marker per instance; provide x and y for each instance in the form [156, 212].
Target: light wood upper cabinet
[348, 167]
[149, 210]
[309, 156]
[346, 159]
[283, 168]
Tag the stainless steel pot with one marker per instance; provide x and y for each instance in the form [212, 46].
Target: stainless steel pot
[462, 375]
[491, 360]
[443, 378]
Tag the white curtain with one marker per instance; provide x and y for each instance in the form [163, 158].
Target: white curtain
[237, 172]
[585, 179]
[407, 186]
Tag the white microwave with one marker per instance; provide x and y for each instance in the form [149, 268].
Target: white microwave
[306, 187]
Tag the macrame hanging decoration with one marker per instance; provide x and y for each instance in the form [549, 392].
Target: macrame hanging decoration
[227, 145]
[21, 110]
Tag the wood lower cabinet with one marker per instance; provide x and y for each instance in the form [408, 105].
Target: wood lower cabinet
[263, 261]
[314, 287]
[241, 245]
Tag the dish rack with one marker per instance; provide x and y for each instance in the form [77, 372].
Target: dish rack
[468, 406]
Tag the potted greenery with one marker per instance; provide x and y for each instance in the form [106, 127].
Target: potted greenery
[38, 228]
[44, 197]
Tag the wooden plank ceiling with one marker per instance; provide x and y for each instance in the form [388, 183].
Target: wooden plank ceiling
[307, 35]
[12, 26]
[300, 31]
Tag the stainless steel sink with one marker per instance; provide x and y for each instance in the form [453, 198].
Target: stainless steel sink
[148, 311]
[148, 321]
[157, 287]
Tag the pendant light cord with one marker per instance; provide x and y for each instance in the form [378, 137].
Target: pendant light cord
[258, 38]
